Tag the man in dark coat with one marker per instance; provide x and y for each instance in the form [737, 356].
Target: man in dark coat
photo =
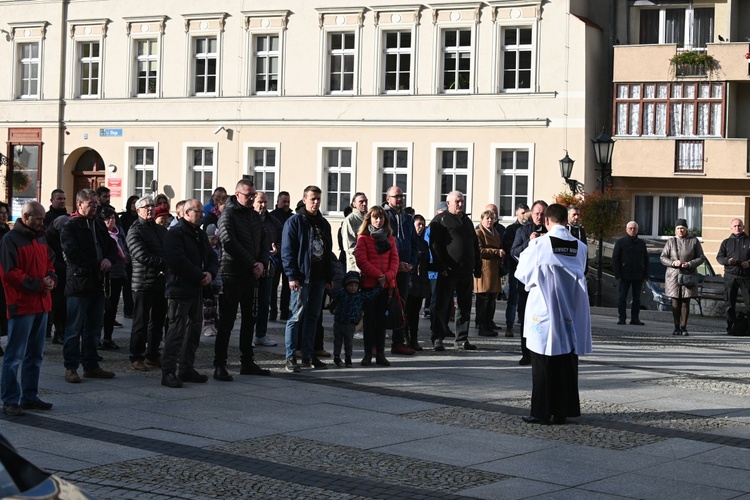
[630, 265]
[145, 242]
[734, 255]
[191, 265]
[456, 258]
[89, 252]
[510, 264]
[244, 257]
[282, 212]
[56, 207]
[273, 229]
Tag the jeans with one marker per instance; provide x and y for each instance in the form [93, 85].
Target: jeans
[149, 312]
[264, 301]
[462, 282]
[183, 336]
[304, 310]
[85, 318]
[635, 309]
[26, 337]
[512, 305]
[242, 293]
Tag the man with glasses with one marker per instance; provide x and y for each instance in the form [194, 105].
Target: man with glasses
[89, 252]
[734, 255]
[245, 249]
[145, 242]
[407, 242]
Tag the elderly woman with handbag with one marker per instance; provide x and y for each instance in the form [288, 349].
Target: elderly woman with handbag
[377, 259]
[682, 255]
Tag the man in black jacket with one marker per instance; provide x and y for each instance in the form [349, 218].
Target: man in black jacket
[56, 208]
[456, 258]
[734, 255]
[145, 242]
[510, 264]
[244, 257]
[191, 265]
[630, 265]
[282, 212]
[272, 228]
[89, 252]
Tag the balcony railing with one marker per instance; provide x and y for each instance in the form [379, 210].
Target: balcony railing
[688, 157]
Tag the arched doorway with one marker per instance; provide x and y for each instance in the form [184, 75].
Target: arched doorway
[89, 171]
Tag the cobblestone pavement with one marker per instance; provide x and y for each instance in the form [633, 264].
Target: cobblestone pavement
[662, 417]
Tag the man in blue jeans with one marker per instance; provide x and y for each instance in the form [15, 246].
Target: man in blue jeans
[28, 276]
[306, 256]
[89, 252]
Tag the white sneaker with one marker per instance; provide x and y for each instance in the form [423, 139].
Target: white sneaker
[209, 331]
[359, 335]
[265, 341]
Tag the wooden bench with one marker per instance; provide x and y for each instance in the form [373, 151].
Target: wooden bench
[712, 288]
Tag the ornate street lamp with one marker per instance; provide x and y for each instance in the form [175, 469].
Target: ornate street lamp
[566, 170]
[604, 146]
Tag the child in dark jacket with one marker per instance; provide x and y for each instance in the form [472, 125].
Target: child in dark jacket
[349, 302]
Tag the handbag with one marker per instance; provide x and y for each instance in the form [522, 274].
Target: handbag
[394, 311]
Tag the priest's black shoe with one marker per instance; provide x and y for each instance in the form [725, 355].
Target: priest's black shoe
[533, 420]
[253, 369]
[194, 377]
[221, 373]
[169, 380]
[559, 420]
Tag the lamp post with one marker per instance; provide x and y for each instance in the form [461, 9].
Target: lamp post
[566, 170]
[604, 145]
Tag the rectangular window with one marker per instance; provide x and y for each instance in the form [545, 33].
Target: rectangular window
[203, 172]
[457, 57]
[517, 47]
[688, 156]
[394, 168]
[670, 109]
[454, 173]
[89, 64]
[28, 70]
[25, 175]
[144, 170]
[397, 59]
[341, 52]
[266, 51]
[338, 176]
[655, 215]
[147, 67]
[688, 27]
[205, 64]
[514, 180]
[264, 170]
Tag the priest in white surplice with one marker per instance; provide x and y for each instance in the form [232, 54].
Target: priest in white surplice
[557, 319]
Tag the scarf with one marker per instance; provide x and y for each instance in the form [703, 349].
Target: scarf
[382, 245]
[120, 253]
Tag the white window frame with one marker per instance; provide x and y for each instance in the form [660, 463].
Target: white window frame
[323, 171]
[377, 175]
[517, 49]
[22, 34]
[342, 53]
[655, 210]
[264, 23]
[188, 170]
[443, 51]
[204, 26]
[267, 55]
[249, 168]
[494, 178]
[87, 31]
[339, 20]
[82, 61]
[689, 11]
[385, 52]
[206, 57]
[139, 29]
[23, 62]
[438, 170]
[138, 59]
[130, 148]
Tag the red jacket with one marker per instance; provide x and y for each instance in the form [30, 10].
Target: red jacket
[25, 260]
[371, 264]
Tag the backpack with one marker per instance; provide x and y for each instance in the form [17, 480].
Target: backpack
[740, 326]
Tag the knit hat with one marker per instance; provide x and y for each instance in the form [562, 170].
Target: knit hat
[442, 207]
[211, 230]
[680, 222]
[160, 212]
[351, 277]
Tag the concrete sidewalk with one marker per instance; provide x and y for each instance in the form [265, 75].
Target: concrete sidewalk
[663, 417]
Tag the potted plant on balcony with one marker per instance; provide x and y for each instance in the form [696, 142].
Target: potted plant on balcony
[693, 63]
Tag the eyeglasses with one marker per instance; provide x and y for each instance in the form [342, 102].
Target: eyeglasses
[398, 196]
[196, 211]
[246, 195]
[3, 214]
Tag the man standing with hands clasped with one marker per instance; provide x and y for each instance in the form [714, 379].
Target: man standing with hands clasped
[557, 326]
[734, 255]
[630, 265]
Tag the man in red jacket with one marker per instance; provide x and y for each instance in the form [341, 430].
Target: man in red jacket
[28, 275]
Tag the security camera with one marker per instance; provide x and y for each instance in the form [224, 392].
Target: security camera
[219, 129]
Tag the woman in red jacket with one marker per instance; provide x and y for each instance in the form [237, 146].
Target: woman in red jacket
[377, 258]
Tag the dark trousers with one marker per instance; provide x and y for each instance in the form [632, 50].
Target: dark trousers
[283, 306]
[523, 296]
[635, 308]
[59, 314]
[512, 305]
[413, 306]
[343, 333]
[127, 293]
[183, 336]
[85, 317]
[554, 386]
[149, 313]
[486, 303]
[402, 281]
[374, 324]
[238, 292]
[110, 310]
[264, 301]
[462, 283]
[733, 285]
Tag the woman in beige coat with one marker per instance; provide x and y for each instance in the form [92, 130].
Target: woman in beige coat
[490, 284]
[681, 255]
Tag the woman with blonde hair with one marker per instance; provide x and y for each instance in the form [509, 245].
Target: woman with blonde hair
[490, 283]
[377, 259]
